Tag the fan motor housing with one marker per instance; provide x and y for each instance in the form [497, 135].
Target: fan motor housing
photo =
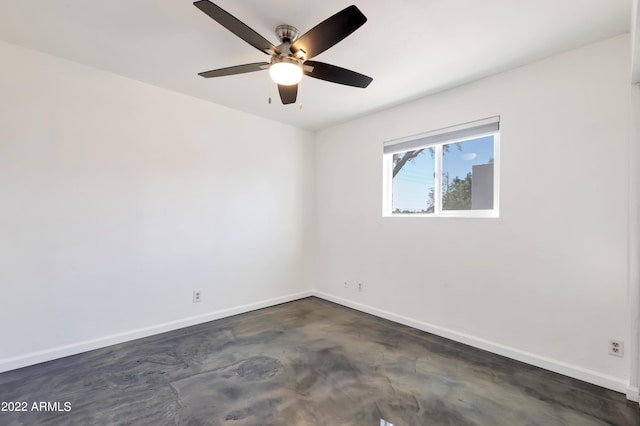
[287, 33]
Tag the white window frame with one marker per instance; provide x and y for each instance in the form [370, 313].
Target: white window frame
[437, 139]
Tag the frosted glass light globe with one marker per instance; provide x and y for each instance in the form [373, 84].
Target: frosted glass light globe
[285, 73]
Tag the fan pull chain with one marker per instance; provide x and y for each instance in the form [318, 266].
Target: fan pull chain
[269, 99]
[300, 94]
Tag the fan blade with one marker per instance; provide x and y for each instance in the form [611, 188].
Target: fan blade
[329, 32]
[288, 94]
[336, 74]
[238, 69]
[236, 26]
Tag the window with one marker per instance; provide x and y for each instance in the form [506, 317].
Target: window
[446, 172]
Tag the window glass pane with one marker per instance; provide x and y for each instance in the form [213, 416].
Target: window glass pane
[467, 175]
[413, 181]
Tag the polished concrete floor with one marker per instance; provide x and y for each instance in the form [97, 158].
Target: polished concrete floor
[308, 362]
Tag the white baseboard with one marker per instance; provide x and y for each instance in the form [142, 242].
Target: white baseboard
[633, 393]
[556, 366]
[32, 358]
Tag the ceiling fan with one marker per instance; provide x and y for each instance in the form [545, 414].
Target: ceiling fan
[290, 60]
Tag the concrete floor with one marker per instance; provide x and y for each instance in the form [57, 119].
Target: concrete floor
[308, 362]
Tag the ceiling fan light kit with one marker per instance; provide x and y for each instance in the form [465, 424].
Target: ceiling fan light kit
[290, 60]
[285, 70]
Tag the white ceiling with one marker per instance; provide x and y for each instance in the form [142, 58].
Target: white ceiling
[411, 48]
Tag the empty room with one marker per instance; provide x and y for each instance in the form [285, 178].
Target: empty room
[311, 213]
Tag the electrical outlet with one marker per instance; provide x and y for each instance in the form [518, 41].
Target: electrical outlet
[345, 285]
[616, 348]
[197, 296]
[360, 287]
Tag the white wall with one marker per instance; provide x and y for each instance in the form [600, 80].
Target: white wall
[547, 282]
[119, 198]
[635, 42]
[634, 243]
